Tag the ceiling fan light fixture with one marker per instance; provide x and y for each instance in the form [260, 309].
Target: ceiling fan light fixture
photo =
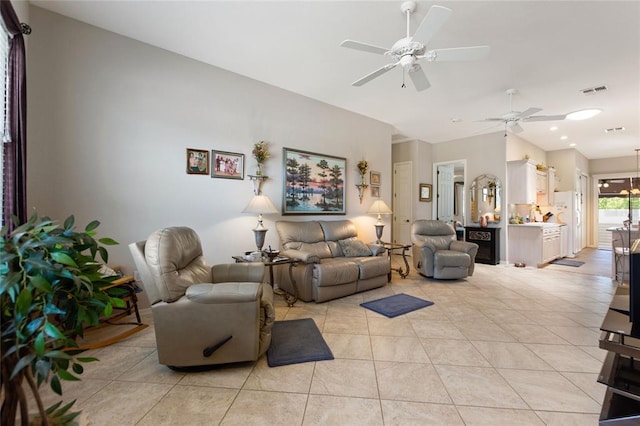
[584, 114]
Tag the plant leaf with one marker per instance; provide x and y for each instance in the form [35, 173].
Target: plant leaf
[63, 258]
[77, 368]
[39, 344]
[65, 375]
[69, 222]
[87, 359]
[55, 385]
[91, 226]
[24, 302]
[22, 363]
[52, 331]
[108, 241]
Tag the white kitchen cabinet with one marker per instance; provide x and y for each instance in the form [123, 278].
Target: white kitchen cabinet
[542, 188]
[521, 178]
[534, 244]
[551, 186]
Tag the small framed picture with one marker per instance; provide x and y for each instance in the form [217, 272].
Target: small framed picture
[425, 192]
[375, 191]
[227, 165]
[197, 162]
[375, 178]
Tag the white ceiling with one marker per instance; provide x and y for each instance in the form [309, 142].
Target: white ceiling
[548, 50]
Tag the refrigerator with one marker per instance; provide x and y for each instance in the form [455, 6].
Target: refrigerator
[567, 210]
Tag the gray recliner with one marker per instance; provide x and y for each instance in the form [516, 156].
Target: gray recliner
[438, 254]
[203, 315]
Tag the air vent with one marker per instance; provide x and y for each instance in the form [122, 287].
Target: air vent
[614, 130]
[594, 90]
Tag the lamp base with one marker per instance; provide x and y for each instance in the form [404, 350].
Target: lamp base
[379, 229]
[259, 235]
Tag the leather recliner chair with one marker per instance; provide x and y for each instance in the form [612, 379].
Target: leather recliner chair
[437, 253]
[203, 315]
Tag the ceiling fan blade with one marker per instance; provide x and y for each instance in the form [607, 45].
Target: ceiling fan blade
[472, 53]
[365, 47]
[431, 24]
[529, 112]
[492, 119]
[371, 76]
[419, 78]
[545, 118]
[515, 127]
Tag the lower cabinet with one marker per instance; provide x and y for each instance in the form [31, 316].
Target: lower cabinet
[534, 245]
[488, 241]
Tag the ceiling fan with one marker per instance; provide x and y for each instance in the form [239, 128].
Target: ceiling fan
[513, 118]
[409, 50]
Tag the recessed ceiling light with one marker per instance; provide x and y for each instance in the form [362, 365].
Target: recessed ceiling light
[572, 144]
[553, 128]
[583, 114]
[564, 137]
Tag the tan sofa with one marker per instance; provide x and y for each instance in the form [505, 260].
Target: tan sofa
[333, 261]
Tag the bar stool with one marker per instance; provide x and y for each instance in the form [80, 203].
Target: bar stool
[620, 245]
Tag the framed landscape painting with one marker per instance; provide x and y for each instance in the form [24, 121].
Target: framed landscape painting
[228, 165]
[314, 183]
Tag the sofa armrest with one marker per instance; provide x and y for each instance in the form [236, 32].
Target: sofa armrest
[376, 249]
[238, 272]
[302, 256]
[224, 293]
[464, 246]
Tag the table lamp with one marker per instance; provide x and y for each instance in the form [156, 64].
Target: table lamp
[379, 207]
[260, 204]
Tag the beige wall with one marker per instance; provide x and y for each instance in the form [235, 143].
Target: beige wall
[518, 149]
[613, 165]
[110, 119]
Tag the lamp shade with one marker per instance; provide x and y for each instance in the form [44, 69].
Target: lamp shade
[260, 204]
[379, 207]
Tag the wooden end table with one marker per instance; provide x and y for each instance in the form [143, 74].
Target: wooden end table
[291, 299]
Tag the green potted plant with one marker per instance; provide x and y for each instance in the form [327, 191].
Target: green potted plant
[50, 290]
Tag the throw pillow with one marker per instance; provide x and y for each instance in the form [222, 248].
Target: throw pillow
[354, 248]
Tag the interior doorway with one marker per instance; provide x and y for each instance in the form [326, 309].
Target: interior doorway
[450, 191]
[402, 202]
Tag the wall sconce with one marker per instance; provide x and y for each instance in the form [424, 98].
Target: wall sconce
[361, 188]
[257, 181]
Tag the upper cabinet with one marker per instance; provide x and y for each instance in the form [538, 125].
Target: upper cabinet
[529, 184]
[522, 178]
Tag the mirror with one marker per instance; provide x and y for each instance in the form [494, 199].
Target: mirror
[486, 198]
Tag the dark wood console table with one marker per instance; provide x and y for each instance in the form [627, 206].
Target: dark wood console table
[488, 241]
[620, 370]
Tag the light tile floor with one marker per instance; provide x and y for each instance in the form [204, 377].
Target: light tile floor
[507, 346]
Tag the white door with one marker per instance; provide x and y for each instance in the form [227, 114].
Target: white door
[402, 202]
[445, 192]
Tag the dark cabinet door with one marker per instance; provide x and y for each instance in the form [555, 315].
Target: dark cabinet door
[488, 241]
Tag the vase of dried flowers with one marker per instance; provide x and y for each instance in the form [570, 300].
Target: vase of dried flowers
[260, 153]
[363, 166]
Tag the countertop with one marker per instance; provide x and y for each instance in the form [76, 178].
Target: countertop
[539, 224]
